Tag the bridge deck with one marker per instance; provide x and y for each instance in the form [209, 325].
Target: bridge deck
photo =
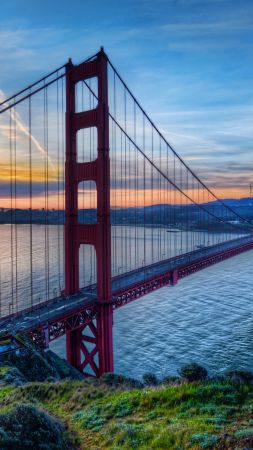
[65, 306]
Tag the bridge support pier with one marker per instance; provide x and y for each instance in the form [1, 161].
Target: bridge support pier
[94, 349]
[105, 338]
[88, 347]
[73, 347]
[174, 278]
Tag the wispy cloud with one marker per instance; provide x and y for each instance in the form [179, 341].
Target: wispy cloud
[21, 129]
[187, 61]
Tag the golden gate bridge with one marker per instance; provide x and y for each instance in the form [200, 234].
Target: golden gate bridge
[98, 210]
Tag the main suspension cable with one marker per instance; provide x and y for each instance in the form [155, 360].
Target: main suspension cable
[175, 154]
[171, 147]
[199, 205]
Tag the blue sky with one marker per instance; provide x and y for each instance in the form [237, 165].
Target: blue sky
[189, 62]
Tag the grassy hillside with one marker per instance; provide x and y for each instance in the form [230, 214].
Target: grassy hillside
[45, 404]
[113, 414]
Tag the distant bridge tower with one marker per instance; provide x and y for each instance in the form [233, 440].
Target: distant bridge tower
[100, 358]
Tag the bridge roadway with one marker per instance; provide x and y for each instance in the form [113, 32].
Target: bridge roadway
[130, 282]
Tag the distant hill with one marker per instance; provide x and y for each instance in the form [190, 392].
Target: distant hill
[235, 202]
[190, 216]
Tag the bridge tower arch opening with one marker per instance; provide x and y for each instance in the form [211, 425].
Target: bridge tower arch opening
[93, 349]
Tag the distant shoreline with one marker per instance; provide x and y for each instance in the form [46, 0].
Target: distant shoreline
[173, 217]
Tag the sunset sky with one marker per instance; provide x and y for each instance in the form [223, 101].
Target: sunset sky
[188, 62]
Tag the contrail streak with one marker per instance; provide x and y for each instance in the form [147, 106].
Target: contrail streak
[24, 129]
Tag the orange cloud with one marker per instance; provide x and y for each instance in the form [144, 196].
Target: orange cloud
[121, 198]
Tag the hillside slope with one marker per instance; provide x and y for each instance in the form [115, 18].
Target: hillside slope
[110, 414]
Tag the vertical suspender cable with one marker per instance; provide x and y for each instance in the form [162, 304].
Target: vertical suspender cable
[136, 243]
[46, 195]
[58, 187]
[152, 197]
[15, 208]
[31, 202]
[11, 210]
[144, 185]
[125, 186]
[63, 169]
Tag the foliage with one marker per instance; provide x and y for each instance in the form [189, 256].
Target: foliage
[244, 433]
[64, 370]
[114, 380]
[109, 413]
[26, 427]
[205, 440]
[149, 379]
[90, 418]
[193, 372]
[239, 376]
[171, 380]
[96, 416]
[11, 376]
[30, 364]
[128, 435]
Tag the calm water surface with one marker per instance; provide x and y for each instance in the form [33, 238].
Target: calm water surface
[207, 317]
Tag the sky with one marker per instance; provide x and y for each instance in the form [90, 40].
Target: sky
[188, 62]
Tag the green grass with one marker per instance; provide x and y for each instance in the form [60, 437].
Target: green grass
[4, 370]
[5, 393]
[187, 416]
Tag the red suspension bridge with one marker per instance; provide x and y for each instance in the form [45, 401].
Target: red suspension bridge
[98, 209]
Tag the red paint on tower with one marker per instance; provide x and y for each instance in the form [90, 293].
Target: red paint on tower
[98, 234]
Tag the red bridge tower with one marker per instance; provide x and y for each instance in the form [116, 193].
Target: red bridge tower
[100, 358]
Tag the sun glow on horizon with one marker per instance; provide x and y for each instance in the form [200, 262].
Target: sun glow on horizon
[125, 198]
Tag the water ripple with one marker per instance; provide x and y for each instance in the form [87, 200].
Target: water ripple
[206, 318]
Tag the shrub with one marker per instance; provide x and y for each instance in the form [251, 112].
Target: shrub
[218, 393]
[114, 380]
[95, 416]
[239, 376]
[119, 407]
[11, 376]
[26, 427]
[173, 380]
[208, 408]
[32, 365]
[244, 433]
[90, 418]
[149, 379]
[216, 420]
[205, 440]
[193, 372]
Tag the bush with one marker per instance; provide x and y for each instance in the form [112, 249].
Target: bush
[26, 427]
[114, 380]
[95, 416]
[239, 376]
[243, 433]
[205, 440]
[11, 376]
[149, 379]
[119, 407]
[193, 372]
[32, 365]
[91, 418]
[173, 380]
